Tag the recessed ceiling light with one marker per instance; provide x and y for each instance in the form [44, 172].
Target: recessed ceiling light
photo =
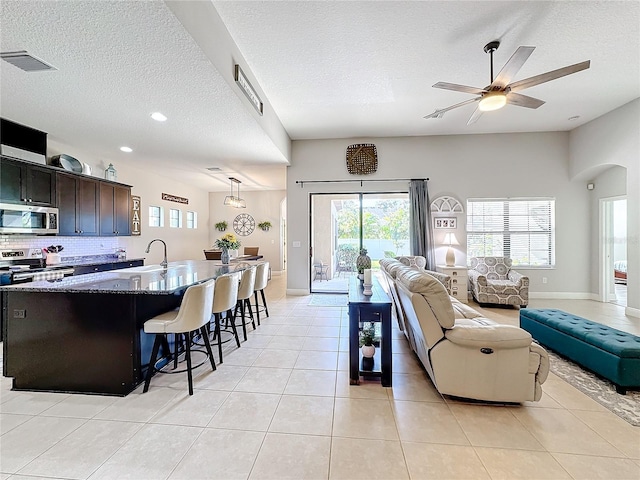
[126, 149]
[157, 116]
[575, 117]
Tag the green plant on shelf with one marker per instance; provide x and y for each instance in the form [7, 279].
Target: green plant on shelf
[221, 226]
[368, 335]
[266, 225]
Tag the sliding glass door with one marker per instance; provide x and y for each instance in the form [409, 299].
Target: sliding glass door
[342, 224]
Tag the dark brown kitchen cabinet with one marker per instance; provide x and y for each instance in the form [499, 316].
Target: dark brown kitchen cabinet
[26, 184]
[114, 209]
[105, 267]
[78, 205]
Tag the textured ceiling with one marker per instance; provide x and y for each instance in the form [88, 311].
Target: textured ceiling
[330, 69]
[117, 63]
[341, 69]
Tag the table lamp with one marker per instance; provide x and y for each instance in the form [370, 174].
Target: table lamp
[450, 239]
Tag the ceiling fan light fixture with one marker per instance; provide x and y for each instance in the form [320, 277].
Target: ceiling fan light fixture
[492, 101]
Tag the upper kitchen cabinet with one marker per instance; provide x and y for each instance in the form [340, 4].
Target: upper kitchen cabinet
[115, 205]
[26, 184]
[78, 205]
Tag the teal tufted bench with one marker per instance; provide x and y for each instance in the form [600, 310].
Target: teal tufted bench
[606, 351]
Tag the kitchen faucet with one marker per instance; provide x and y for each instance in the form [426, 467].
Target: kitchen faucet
[164, 262]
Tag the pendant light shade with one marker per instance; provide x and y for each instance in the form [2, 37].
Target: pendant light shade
[233, 200]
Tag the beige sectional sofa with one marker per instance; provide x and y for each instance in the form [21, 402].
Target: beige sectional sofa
[465, 354]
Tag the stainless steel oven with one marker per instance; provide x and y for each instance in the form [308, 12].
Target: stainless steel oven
[24, 265]
[28, 219]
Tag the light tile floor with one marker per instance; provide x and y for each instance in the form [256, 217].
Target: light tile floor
[281, 407]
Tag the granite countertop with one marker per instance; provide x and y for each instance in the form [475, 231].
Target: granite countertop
[150, 279]
[88, 260]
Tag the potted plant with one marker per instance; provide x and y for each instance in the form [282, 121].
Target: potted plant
[226, 243]
[221, 226]
[367, 339]
[265, 226]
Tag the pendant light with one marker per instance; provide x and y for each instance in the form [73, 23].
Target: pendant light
[232, 200]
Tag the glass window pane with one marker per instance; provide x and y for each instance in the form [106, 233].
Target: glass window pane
[520, 229]
[156, 216]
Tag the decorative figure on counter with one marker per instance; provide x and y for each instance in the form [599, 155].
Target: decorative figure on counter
[226, 243]
[362, 262]
[367, 283]
[53, 254]
[110, 173]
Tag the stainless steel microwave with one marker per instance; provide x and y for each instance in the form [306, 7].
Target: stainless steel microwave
[28, 219]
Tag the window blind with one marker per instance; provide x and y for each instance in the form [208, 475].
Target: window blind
[521, 229]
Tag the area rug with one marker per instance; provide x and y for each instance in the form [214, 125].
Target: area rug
[602, 391]
[328, 300]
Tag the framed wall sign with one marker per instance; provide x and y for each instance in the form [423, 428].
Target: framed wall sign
[135, 215]
[248, 89]
[445, 222]
[175, 198]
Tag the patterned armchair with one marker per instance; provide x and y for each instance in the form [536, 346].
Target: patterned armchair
[493, 281]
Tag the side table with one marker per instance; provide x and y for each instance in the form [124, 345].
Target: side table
[459, 281]
[366, 309]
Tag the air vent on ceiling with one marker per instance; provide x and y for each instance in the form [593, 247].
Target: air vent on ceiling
[214, 169]
[25, 61]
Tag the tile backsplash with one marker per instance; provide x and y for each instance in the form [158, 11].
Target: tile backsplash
[73, 246]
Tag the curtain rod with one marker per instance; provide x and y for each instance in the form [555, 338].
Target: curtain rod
[302, 182]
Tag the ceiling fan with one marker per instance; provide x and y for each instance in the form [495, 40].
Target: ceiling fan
[500, 91]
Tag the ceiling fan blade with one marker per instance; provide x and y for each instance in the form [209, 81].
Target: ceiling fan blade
[512, 67]
[523, 100]
[442, 111]
[459, 88]
[475, 116]
[546, 77]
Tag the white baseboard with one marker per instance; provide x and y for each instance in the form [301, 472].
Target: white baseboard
[297, 291]
[632, 312]
[563, 295]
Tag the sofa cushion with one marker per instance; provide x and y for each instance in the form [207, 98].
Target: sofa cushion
[494, 268]
[433, 292]
[489, 336]
[462, 310]
[415, 261]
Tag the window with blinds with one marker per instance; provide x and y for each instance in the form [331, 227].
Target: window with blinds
[521, 229]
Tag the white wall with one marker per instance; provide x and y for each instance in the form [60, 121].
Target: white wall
[262, 206]
[610, 183]
[614, 139]
[464, 166]
[182, 243]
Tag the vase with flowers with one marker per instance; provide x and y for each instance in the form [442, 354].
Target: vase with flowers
[226, 243]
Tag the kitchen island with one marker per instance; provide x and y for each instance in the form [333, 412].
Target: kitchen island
[85, 333]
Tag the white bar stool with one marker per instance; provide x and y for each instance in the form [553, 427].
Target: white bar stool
[193, 315]
[262, 278]
[245, 291]
[223, 301]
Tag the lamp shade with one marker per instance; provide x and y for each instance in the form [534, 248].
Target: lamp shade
[492, 101]
[450, 239]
